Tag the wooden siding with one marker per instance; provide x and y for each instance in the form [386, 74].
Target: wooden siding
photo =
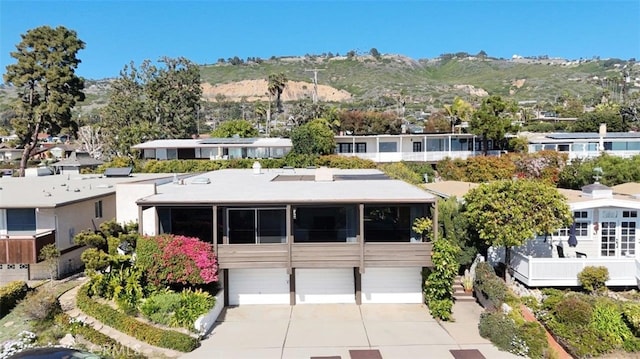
[398, 254]
[24, 249]
[253, 256]
[325, 255]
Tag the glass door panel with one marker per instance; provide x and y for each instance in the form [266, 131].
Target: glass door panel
[608, 239]
[628, 238]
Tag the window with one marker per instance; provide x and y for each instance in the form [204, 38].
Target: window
[417, 146]
[98, 209]
[391, 223]
[582, 229]
[21, 219]
[187, 221]
[361, 147]
[629, 214]
[580, 214]
[149, 153]
[388, 147]
[345, 147]
[325, 224]
[257, 225]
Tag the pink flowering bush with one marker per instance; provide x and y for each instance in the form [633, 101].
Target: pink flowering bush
[172, 259]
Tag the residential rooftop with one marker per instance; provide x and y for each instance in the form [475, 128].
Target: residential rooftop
[58, 190]
[288, 185]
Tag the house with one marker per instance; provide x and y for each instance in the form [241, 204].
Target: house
[76, 162]
[586, 144]
[605, 233]
[36, 211]
[295, 236]
[215, 148]
[412, 147]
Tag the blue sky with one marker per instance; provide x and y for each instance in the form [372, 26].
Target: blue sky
[118, 32]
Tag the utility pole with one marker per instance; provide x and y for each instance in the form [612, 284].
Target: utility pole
[315, 83]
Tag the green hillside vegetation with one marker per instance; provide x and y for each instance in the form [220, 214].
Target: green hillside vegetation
[385, 81]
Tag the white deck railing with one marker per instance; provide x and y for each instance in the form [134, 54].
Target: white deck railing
[428, 156]
[549, 272]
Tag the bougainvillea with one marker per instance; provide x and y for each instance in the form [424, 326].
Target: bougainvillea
[169, 259]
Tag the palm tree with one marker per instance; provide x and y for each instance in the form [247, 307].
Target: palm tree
[275, 86]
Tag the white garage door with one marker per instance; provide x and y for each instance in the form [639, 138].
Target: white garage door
[258, 286]
[326, 285]
[392, 285]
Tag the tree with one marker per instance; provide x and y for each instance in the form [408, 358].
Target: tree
[47, 85]
[314, 137]
[607, 114]
[231, 128]
[275, 86]
[152, 102]
[459, 111]
[491, 120]
[374, 52]
[50, 255]
[508, 213]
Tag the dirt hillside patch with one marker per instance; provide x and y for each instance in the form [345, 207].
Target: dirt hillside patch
[256, 90]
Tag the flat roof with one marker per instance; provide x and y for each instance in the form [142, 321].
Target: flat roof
[242, 186]
[568, 137]
[448, 189]
[59, 190]
[215, 142]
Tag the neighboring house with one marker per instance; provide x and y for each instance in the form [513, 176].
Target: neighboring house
[292, 236]
[76, 162]
[605, 233]
[586, 145]
[36, 211]
[214, 148]
[415, 147]
[9, 154]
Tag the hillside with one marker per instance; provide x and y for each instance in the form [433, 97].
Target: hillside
[420, 83]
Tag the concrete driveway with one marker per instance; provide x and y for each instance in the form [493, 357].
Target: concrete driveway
[330, 330]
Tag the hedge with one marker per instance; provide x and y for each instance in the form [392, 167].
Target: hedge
[108, 345]
[144, 332]
[10, 295]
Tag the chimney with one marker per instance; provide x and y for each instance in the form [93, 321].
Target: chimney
[324, 174]
[603, 129]
[257, 168]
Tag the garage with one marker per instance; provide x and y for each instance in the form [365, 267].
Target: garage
[392, 285]
[326, 285]
[258, 286]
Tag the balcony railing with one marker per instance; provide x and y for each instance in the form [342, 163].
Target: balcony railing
[425, 156]
[327, 254]
[24, 249]
[549, 272]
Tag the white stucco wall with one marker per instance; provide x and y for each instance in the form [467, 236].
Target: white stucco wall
[126, 196]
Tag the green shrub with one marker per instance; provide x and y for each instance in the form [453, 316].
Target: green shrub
[41, 305]
[493, 287]
[10, 295]
[607, 321]
[499, 328]
[160, 307]
[108, 345]
[573, 311]
[593, 278]
[192, 305]
[128, 325]
[535, 337]
[631, 315]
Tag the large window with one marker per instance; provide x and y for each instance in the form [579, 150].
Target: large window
[21, 219]
[388, 147]
[256, 225]
[187, 221]
[325, 224]
[345, 147]
[391, 223]
[417, 146]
